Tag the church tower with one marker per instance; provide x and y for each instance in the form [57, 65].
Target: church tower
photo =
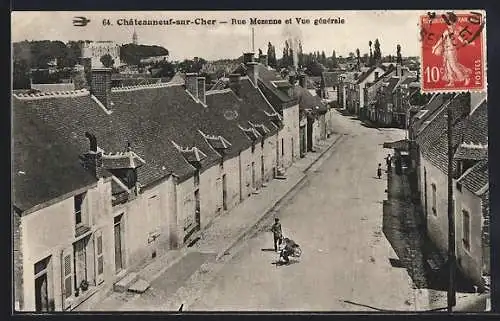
[134, 38]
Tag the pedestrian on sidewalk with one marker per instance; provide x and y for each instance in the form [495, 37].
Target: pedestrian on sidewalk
[388, 161]
[379, 170]
[277, 233]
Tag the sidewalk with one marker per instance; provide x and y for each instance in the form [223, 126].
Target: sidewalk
[402, 226]
[220, 236]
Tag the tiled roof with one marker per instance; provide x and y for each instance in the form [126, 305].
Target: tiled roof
[367, 73]
[472, 153]
[44, 165]
[121, 160]
[248, 109]
[277, 97]
[330, 78]
[133, 121]
[134, 81]
[392, 82]
[165, 112]
[53, 87]
[433, 138]
[307, 100]
[476, 178]
[431, 108]
[477, 126]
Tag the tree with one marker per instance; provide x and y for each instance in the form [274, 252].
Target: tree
[399, 59]
[271, 55]
[358, 58]
[323, 58]
[351, 55]
[300, 55]
[370, 62]
[21, 74]
[335, 63]
[260, 53]
[107, 61]
[163, 69]
[377, 54]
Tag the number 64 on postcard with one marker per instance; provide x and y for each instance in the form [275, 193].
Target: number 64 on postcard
[453, 51]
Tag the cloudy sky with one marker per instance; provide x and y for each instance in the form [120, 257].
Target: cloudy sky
[227, 40]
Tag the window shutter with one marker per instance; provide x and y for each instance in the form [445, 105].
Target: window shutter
[99, 257]
[67, 277]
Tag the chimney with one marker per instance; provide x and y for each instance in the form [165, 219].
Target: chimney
[201, 90]
[101, 85]
[263, 60]
[253, 69]
[248, 57]
[234, 83]
[93, 159]
[192, 84]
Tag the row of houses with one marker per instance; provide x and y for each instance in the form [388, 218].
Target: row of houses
[108, 179]
[428, 149]
[379, 94]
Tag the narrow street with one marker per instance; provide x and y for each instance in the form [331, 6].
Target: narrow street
[337, 219]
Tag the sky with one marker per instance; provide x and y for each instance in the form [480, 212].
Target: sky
[228, 40]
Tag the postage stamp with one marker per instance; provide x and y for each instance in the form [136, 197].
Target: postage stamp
[453, 51]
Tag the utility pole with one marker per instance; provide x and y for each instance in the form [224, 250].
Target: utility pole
[451, 215]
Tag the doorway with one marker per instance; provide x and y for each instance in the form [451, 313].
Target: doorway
[262, 169]
[253, 176]
[43, 292]
[197, 210]
[118, 243]
[309, 134]
[224, 192]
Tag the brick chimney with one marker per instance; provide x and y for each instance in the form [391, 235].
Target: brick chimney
[192, 84]
[201, 90]
[92, 160]
[263, 60]
[253, 69]
[235, 83]
[248, 57]
[101, 85]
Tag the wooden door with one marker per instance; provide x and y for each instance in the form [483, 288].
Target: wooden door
[118, 245]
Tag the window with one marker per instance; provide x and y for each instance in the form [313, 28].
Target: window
[78, 201]
[434, 199]
[466, 229]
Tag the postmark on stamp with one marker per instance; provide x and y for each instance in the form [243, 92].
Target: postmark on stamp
[453, 51]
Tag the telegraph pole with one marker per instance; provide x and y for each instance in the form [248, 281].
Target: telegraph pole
[451, 215]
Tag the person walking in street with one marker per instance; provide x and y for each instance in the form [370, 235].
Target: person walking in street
[277, 233]
[379, 170]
